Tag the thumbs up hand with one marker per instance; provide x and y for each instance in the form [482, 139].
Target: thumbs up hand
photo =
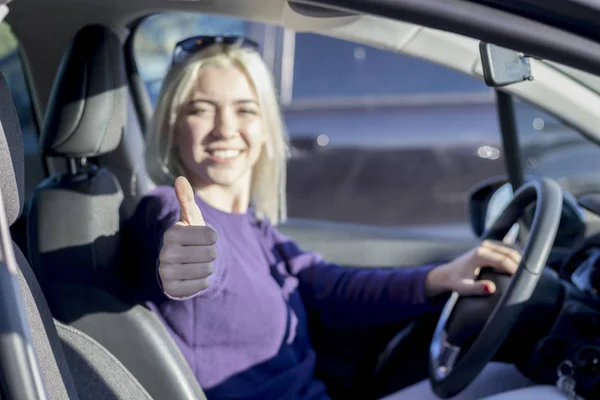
[185, 260]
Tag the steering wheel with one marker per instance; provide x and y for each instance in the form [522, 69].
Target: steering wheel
[471, 329]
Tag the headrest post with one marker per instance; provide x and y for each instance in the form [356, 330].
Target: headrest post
[72, 166]
[76, 164]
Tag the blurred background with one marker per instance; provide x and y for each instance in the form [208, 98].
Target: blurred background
[376, 137]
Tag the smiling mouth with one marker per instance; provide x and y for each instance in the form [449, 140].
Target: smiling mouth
[219, 155]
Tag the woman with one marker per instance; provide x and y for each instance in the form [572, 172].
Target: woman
[233, 291]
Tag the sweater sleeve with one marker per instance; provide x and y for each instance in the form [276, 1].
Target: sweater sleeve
[348, 297]
[143, 237]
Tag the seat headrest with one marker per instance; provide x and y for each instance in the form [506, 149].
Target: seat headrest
[11, 155]
[87, 109]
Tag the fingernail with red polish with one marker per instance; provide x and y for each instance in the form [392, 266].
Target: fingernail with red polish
[487, 287]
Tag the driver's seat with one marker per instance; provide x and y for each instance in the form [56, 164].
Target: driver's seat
[74, 219]
[73, 366]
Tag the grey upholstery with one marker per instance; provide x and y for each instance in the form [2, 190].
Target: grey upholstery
[11, 161]
[55, 371]
[57, 379]
[127, 162]
[74, 366]
[74, 221]
[61, 375]
[141, 342]
[88, 96]
[73, 227]
[75, 217]
[87, 358]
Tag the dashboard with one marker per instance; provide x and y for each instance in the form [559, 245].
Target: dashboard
[568, 297]
[586, 275]
[581, 266]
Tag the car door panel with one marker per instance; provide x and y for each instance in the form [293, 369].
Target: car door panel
[362, 246]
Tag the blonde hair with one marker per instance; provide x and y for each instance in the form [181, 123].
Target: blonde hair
[267, 191]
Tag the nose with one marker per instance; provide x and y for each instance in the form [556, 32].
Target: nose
[225, 124]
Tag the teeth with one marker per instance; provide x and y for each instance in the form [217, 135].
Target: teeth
[226, 154]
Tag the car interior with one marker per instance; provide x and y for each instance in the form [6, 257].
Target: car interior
[83, 337]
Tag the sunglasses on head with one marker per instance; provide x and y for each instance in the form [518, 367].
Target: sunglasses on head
[189, 46]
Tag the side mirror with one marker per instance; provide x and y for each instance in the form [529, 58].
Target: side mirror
[486, 202]
[489, 198]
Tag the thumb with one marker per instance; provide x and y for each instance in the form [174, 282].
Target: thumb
[190, 212]
[471, 287]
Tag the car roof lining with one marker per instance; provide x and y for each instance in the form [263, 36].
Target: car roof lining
[560, 90]
[579, 16]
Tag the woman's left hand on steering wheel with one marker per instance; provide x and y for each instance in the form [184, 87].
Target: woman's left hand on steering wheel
[459, 275]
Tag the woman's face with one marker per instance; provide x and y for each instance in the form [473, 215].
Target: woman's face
[219, 134]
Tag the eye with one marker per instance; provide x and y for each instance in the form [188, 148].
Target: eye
[199, 111]
[196, 111]
[248, 111]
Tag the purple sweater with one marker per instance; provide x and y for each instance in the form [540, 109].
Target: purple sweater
[247, 336]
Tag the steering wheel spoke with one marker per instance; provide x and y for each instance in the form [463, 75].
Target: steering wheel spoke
[443, 354]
